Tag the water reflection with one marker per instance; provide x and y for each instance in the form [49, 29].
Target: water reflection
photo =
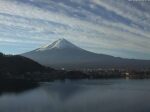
[82, 96]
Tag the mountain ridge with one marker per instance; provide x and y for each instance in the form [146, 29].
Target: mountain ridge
[64, 54]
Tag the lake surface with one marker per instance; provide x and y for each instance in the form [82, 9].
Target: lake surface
[81, 96]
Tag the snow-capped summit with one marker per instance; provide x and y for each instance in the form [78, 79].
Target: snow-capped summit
[59, 44]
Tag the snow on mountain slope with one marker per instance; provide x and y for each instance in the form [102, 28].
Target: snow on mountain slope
[59, 44]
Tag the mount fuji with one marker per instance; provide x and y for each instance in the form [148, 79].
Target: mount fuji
[64, 54]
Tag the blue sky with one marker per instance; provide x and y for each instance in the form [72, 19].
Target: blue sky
[116, 27]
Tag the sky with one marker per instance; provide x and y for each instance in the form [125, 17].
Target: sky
[116, 27]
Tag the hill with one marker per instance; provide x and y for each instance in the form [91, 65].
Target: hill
[18, 67]
[18, 64]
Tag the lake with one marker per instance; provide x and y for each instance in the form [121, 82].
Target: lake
[81, 96]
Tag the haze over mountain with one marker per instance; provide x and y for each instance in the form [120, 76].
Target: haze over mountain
[64, 54]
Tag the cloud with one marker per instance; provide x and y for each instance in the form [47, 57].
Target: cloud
[97, 25]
